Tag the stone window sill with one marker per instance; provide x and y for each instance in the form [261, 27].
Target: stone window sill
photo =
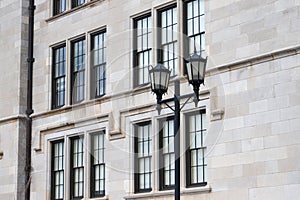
[68, 12]
[155, 194]
[100, 198]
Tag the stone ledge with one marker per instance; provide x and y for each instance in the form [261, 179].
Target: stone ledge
[267, 57]
[157, 194]
[91, 3]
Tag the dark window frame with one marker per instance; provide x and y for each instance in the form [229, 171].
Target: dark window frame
[175, 43]
[74, 74]
[52, 168]
[189, 150]
[137, 189]
[136, 53]
[72, 174]
[162, 185]
[102, 67]
[185, 29]
[76, 3]
[93, 193]
[57, 9]
[54, 103]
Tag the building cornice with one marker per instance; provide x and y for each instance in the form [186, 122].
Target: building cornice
[267, 57]
[12, 119]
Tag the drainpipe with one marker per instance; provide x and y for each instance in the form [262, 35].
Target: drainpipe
[29, 111]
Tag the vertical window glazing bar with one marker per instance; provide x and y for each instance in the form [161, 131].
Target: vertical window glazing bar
[168, 54]
[142, 49]
[196, 162]
[143, 157]
[77, 168]
[97, 183]
[98, 64]
[167, 161]
[57, 170]
[195, 24]
[78, 71]
[58, 77]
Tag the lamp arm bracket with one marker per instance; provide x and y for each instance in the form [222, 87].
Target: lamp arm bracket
[170, 106]
[185, 102]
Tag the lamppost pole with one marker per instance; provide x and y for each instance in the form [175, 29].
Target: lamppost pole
[159, 77]
[177, 137]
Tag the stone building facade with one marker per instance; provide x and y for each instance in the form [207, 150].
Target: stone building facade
[96, 133]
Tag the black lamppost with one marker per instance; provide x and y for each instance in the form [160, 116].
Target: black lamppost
[159, 77]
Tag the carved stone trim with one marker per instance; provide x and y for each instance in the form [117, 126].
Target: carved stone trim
[217, 114]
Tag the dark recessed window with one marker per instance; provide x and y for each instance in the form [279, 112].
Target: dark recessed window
[97, 181]
[195, 154]
[57, 170]
[77, 168]
[59, 6]
[78, 71]
[76, 3]
[195, 25]
[167, 155]
[142, 49]
[59, 77]
[167, 38]
[98, 64]
[143, 156]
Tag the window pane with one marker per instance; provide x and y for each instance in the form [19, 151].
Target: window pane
[147, 180]
[142, 181]
[143, 49]
[58, 90]
[98, 165]
[78, 68]
[195, 25]
[168, 154]
[169, 39]
[98, 67]
[196, 151]
[143, 162]
[57, 170]
[77, 173]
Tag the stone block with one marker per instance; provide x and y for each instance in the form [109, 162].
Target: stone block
[235, 87]
[274, 193]
[292, 192]
[280, 140]
[280, 127]
[268, 117]
[262, 35]
[253, 169]
[290, 113]
[250, 120]
[252, 144]
[289, 164]
[293, 177]
[258, 106]
[271, 166]
[233, 123]
[234, 159]
[278, 102]
[289, 62]
[233, 147]
[252, 26]
[226, 172]
[247, 51]
[270, 154]
[294, 125]
[271, 179]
